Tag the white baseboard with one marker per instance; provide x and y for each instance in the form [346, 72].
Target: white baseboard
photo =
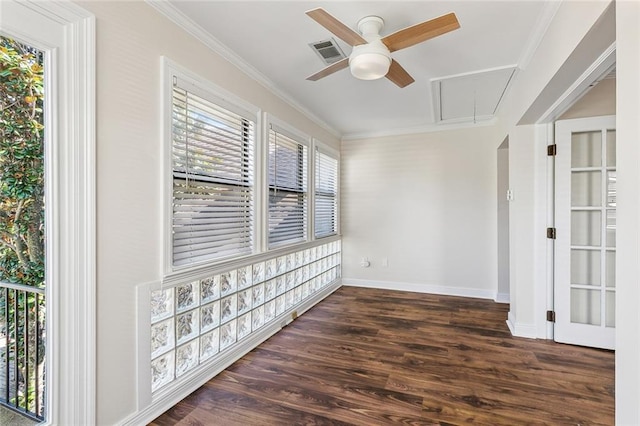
[502, 298]
[521, 330]
[421, 288]
[164, 400]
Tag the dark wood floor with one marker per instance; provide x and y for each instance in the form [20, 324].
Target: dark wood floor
[376, 357]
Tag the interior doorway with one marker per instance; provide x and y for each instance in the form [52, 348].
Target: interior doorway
[502, 293]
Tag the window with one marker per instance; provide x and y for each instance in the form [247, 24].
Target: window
[287, 180]
[212, 162]
[326, 195]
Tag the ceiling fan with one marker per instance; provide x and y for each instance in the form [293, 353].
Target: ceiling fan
[371, 58]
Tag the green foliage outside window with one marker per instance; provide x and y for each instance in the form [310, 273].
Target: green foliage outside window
[21, 164]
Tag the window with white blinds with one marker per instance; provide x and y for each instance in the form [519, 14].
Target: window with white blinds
[287, 180]
[212, 158]
[326, 195]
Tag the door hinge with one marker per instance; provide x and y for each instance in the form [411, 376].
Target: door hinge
[551, 316]
[552, 150]
[551, 233]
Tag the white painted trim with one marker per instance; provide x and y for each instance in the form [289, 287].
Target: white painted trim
[545, 18]
[428, 128]
[186, 385]
[187, 24]
[521, 330]
[71, 190]
[596, 72]
[420, 288]
[502, 298]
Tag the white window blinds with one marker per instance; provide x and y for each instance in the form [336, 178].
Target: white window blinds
[287, 189]
[326, 195]
[212, 156]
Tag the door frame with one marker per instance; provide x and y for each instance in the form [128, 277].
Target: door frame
[71, 188]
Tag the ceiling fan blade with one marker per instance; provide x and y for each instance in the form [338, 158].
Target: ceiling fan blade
[341, 31]
[399, 75]
[336, 66]
[418, 33]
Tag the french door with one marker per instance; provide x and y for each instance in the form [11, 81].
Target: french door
[585, 252]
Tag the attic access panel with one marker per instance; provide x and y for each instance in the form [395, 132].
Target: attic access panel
[470, 97]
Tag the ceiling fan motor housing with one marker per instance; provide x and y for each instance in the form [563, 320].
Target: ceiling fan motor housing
[372, 60]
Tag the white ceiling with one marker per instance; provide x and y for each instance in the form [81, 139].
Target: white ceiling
[272, 37]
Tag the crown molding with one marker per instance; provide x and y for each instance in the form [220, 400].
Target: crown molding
[187, 24]
[428, 128]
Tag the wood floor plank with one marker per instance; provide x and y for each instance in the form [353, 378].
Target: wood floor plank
[379, 357]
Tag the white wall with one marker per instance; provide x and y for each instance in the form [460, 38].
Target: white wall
[427, 203]
[131, 37]
[600, 100]
[628, 212]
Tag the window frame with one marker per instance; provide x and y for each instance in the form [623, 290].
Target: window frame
[282, 127]
[325, 149]
[203, 88]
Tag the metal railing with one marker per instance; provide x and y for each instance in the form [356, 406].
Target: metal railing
[22, 349]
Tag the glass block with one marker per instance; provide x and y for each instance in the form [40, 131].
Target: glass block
[585, 228]
[209, 316]
[325, 250]
[228, 308]
[245, 277]
[280, 285]
[313, 269]
[244, 301]
[585, 306]
[162, 337]
[297, 295]
[258, 295]
[339, 242]
[258, 272]
[299, 259]
[162, 370]
[289, 281]
[610, 268]
[269, 290]
[161, 304]
[257, 318]
[611, 148]
[187, 326]
[305, 273]
[291, 262]
[586, 149]
[270, 270]
[228, 334]
[298, 277]
[187, 296]
[306, 289]
[289, 300]
[334, 247]
[209, 344]
[269, 311]
[586, 189]
[324, 265]
[307, 256]
[313, 254]
[585, 267]
[313, 284]
[187, 357]
[610, 309]
[281, 265]
[244, 325]
[228, 283]
[280, 304]
[209, 289]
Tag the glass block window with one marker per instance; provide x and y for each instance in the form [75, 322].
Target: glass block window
[212, 168]
[195, 322]
[287, 181]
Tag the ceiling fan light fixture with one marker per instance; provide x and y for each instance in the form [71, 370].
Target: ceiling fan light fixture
[369, 61]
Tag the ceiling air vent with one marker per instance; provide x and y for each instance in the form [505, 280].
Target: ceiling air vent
[328, 50]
